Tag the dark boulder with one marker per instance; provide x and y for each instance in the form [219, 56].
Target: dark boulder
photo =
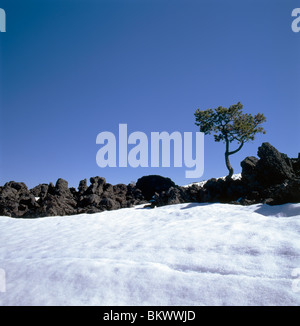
[223, 190]
[40, 191]
[16, 200]
[151, 184]
[214, 189]
[296, 165]
[177, 195]
[90, 200]
[62, 188]
[89, 210]
[273, 166]
[194, 193]
[249, 169]
[134, 196]
[59, 200]
[96, 187]
[100, 196]
[286, 192]
[174, 195]
[109, 204]
[82, 186]
[49, 200]
[120, 195]
[273, 179]
[54, 205]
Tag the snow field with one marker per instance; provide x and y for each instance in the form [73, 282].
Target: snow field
[187, 254]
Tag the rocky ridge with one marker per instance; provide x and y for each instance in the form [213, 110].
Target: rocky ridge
[272, 178]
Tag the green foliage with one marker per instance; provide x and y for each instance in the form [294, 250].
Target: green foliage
[228, 125]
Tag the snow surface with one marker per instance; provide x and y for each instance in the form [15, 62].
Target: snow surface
[187, 254]
[202, 183]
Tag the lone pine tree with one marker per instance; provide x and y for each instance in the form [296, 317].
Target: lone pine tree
[229, 125]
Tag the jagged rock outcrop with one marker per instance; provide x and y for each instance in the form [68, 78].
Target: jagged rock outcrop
[174, 195]
[273, 166]
[151, 184]
[16, 200]
[272, 178]
[59, 200]
[249, 167]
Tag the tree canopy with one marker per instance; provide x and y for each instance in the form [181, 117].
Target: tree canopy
[229, 125]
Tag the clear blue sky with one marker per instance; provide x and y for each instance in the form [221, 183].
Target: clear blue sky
[71, 69]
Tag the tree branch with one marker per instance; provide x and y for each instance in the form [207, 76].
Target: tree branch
[239, 148]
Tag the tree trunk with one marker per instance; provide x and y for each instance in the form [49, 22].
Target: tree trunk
[227, 153]
[228, 165]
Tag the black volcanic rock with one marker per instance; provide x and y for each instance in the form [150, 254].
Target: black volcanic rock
[82, 186]
[90, 200]
[49, 200]
[178, 195]
[273, 166]
[96, 187]
[134, 196]
[62, 188]
[40, 191]
[296, 165]
[286, 192]
[249, 169]
[100, 196]
[151, 184]
[58, 201]
[273, 178]
[16, 200]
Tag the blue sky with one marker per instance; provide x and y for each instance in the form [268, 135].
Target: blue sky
[72, 69]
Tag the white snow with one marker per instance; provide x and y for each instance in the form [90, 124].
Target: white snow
[187, 254]
[202, 183]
